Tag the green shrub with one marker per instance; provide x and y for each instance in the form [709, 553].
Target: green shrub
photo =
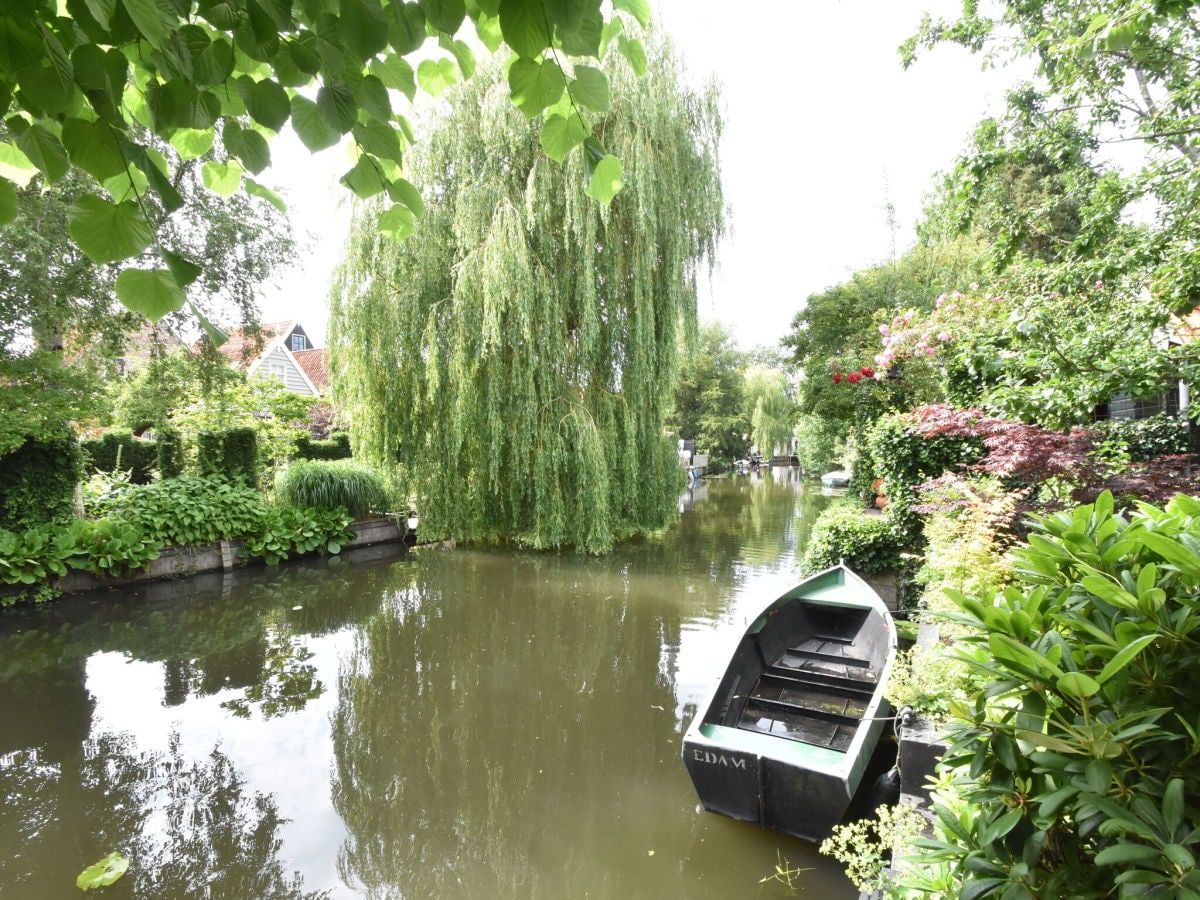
[37, 483]
[170, 451]
[1140, 440]
[905, 459]
[1073, 772]
[240, 455]
[110, 547]
[29, 559]
[333, 484]
[868, 544]
[189, 510]
[210, 453]
[121, 451]
[337, 447]
[294, 532]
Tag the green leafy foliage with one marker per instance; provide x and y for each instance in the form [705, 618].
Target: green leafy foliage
[120, 451]
[239, 455]
[770, 409]
[29, 559]
[288, 532]
[96, 85]
[37, 482]
[110, 547]
[516, 355]
[1141, 440]
[1070, 770]
[337, 446]
[868, 544]
[709, 405]
[169, 449]
[333, 484]
[188, 510]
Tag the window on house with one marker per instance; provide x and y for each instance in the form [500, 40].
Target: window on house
[278, 370]
[297, 342]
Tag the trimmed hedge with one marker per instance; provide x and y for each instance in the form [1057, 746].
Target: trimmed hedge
[337, 447]
[37, 483]
[868, 544]
[121, 451]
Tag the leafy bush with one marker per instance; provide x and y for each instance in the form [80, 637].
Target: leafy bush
[333, 484]
[189, 510]
[121, 451]
[905, 457]
[37, 483]
[28, 560]
[240, 455]
[110, 547]
[337, 447]
[210, 453]
[170, 451]
[866, 543]
[294, 532]
[1141, 440]
[1074, 771]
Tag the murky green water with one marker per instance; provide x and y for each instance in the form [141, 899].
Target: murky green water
[441, 724]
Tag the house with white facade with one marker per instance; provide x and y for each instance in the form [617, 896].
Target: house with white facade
[281, 350]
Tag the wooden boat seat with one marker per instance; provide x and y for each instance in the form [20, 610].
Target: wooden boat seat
[824, 713]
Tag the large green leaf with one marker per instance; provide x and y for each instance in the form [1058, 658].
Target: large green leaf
[8, 201]
[15, 165]
[222, 178]
[338, 105]
[1125, 656]
[605, 182]
[254, 189]
[379, 140]
[151, 19]
[403, 191]
[584, 38]
[562, 134]
[93, 147]
[639, 9]
[364, 27]
[184, 271]
[396, 73]
[590, 88]
[364, 179]
[406, 31]
[535, 85]
[397, 222]
[103, 873]
[215, 334]
[445, 15]
[312, 129]
[463, 55]
[192, 143]
[525, 26]
[487, 29]
[106, 231]
[435, 76]
[151, 292]
[45, 151]
[632, 50]
[266, 102]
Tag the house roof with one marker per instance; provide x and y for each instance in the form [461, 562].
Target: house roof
[315, 365]
[243, 348]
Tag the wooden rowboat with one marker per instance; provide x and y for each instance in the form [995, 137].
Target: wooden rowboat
[785, 738]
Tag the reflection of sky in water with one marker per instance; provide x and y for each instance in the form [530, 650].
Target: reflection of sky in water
[291, 763]
[634, 634]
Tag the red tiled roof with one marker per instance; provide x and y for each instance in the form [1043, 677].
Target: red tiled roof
[242, 349]
[315, 366]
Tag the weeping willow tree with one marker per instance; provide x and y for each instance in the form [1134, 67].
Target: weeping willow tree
[516, 355]
[772, 412]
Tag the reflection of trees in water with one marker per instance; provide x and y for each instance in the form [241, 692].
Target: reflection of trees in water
[498, 727]
[190, 829]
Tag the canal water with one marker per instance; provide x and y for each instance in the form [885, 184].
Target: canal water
[430, 724]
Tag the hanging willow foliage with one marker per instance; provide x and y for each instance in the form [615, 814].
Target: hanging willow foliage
[515, 355]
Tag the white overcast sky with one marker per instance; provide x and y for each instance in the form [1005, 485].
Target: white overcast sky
[822, 129]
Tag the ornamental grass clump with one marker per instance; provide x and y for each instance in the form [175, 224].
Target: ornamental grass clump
[332, 484]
